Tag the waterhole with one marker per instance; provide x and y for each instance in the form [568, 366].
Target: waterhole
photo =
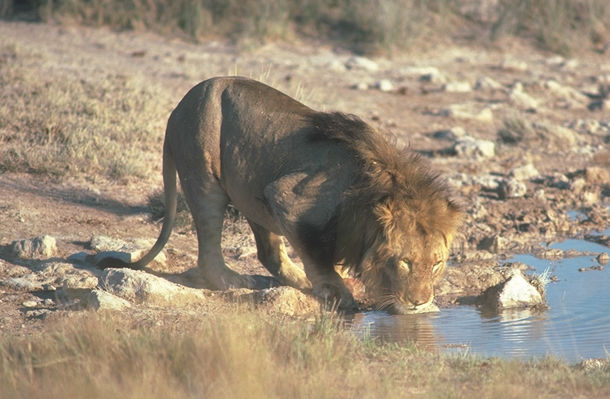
[575, 327]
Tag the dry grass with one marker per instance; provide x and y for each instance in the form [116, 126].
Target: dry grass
[561, 26]
[59, 124]
[243, 353]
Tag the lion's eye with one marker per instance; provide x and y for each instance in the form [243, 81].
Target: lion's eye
[437, 266]
[405, 265]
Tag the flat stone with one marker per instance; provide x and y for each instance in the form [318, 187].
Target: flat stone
[102, 300]
[467, 111]
[457, 87]
[362, 63]
[125, 250]
[487, 83]
[140, 287]
[282, 300]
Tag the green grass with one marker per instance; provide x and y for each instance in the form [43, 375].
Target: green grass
[242, 353]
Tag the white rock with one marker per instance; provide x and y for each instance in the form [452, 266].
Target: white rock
[521, 99]
[469, 147]
[360, 86]
[487, 83]
[384, 85]
[524, 172]
[517, 292]
[467, 111]
[42, 247]
[102, 300]
[127, 251]
[457, 87]
[428, 73]
[510, 64]
[141, 287]
[566, 92]
[30, 304]
[361, 63]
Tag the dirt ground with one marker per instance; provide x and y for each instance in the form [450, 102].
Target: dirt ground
[546, 178]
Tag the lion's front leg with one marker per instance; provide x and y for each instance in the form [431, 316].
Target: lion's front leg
[329, 287]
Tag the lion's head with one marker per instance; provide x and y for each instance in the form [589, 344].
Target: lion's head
[397, 221]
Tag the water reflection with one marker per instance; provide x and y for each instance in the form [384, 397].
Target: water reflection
[576, 326]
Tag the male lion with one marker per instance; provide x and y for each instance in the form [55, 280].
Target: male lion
[328, 182]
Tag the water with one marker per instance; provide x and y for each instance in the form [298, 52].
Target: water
[576, 327]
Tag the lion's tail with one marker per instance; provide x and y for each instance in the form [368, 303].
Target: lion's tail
[169, 185]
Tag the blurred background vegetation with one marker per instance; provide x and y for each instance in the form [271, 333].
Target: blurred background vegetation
[364, 26]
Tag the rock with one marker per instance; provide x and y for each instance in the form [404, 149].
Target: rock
[457, 87]
[127, 251]
[360, 86]
[29, 282]
[519, 98]
[493, 243]
[524, 172]
[43, 247]
[511, 188]
[588, 269]
[424, 73]
[467, 111]
[362, 63]
[510, 64]
[30, 304]
[102, 300]
[452, 134]
[566, 93]
[284, 300]
[469, 147]
[515, 292]
[603, 258]
[487, 83]
[384, 85]
[141, 287]
[597, 175]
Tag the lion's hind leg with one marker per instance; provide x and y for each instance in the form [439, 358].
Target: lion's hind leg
[272, 254]
[207, 202]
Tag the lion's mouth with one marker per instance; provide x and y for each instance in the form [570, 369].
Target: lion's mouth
[401, 308]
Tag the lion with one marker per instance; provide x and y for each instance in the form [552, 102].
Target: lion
[337, 190]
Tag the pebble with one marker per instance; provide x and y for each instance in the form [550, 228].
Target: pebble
[521, 99]
[512, 188]
[510, 64]
[487, 83]
[457, 87]
[452, 134]
[362, 63]
[30, 304]
[384, 85]
[473, 148]
[467, 111]
[524, 172]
